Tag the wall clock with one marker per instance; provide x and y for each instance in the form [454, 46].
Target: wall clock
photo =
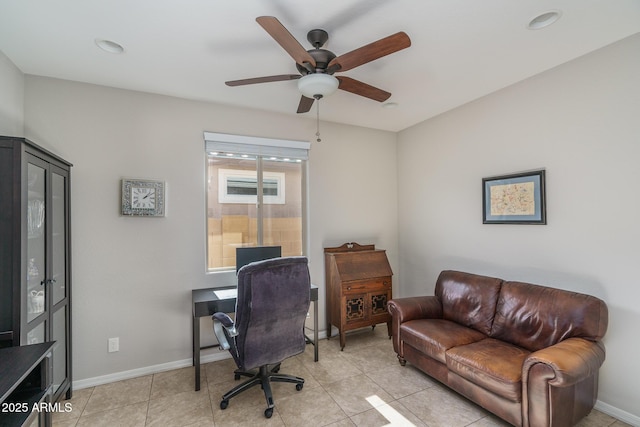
[143, 197]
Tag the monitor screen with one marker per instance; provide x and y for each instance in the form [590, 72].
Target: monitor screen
[251, 254]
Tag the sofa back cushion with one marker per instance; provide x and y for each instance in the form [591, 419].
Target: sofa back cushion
[535, 317]
[468, 299]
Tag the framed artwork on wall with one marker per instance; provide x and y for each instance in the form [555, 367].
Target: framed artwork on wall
[514, 199]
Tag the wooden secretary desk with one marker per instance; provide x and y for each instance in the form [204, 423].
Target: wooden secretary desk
[358, 287]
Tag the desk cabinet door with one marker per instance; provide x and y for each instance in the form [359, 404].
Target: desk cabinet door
[378, 303]
[355, 308]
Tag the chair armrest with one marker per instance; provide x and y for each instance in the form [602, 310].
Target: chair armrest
[569, 361]
[223, 328]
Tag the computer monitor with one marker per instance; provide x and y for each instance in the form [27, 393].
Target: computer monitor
[249, 254]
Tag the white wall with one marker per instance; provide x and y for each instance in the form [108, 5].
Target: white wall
[579, 121]
[11, 98]
[132, 277]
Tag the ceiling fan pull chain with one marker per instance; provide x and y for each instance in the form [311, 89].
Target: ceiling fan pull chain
[318, 121]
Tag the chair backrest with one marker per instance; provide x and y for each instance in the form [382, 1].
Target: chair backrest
[271, 308]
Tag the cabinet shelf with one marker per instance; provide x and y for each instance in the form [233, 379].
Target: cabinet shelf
[35, 195]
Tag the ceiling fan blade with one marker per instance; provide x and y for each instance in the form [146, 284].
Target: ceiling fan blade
[286, 40]
[359, 88]
[305, 104]
[370, 52]
[267, 79]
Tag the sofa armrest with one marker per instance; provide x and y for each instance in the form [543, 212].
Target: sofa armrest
[571, 361]
[411, 308]
[574, 362]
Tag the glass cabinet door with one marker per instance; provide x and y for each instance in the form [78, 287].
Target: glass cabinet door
[58, 226]
[36, 242]
[59, 335]
[58, 288]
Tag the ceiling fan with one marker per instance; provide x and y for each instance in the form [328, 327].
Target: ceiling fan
[317, 66]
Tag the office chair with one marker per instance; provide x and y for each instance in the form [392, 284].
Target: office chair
[271, 307]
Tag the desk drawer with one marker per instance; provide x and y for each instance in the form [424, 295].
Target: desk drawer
[368, 285]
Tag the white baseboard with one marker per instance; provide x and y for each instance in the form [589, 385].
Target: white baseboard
[154, 369]
[618, 413]
[147, 370]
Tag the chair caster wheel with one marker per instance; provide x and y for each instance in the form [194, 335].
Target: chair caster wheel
[299, 386]
[224, 404]
[268, 412]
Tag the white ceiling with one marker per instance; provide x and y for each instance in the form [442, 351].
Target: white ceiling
[461, 49]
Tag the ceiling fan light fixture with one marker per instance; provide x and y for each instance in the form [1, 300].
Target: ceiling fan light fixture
[317, 85]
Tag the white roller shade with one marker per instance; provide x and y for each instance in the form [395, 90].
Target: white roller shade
[256, 146]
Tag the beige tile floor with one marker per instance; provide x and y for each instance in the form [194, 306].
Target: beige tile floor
[363, 385]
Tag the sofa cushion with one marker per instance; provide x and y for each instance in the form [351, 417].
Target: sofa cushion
[491, 364]
[434, 337]
[468, 299]
[536, 317]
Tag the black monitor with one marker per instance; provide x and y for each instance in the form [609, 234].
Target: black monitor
[249, 254]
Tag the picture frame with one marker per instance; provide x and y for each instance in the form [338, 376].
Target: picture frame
[517, 198]
[143, 197]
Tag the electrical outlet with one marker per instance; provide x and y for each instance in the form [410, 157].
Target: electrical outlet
[114, 344]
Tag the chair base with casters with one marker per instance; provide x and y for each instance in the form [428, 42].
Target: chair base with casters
[264, 376]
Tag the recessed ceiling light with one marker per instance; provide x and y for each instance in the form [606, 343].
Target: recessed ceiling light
[544, 19]
[389, 105]
[109, 46]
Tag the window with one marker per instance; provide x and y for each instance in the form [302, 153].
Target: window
[241, 186]
[255, 196]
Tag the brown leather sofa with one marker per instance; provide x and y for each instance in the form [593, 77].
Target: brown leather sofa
[528, 353]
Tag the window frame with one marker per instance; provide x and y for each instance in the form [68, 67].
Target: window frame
[262, 149]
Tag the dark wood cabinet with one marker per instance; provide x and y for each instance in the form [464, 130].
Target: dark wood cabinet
[358, 286]
[35, 253]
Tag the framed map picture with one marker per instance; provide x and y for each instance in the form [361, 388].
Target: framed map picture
[514, 199]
